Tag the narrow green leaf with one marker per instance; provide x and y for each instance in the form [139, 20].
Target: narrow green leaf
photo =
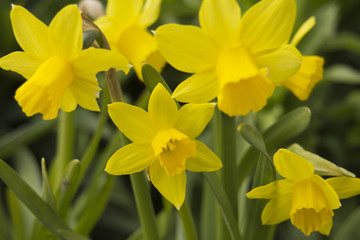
[344, 41]
[17, 220]
[321, 165]
[341, 73]
[223, 200]
[70, 235]
[152, 77]
[24, 135]
[47, 192]
[349, 229]
[188, 222]
[287, 127]
[68, 187]
[95, 205]
[38, 206]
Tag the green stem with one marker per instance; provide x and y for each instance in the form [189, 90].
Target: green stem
[64, 148]
[188, 222]
[144, 205]
[227, 153]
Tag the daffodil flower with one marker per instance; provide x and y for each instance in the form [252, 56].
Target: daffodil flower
[59, 73]
[311, 70]
[237, 59]
[304, 197]
[163, 142]
[125, 24]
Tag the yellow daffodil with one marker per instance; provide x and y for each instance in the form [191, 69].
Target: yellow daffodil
[163, 142]
[311, 70]
[304, 197]
[59, 73]
[125, 24]
[237, 59]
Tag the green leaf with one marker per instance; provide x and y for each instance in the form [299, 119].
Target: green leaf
[24, 135]
[287, 127]
[4, 222]
[223, 200]
[47, 192]
[347, 41]
[68, 187]
[95, 204]
[37, 205]
[321, 165]
[254, 138]
[341, 73]
[16, 215]
[152, 77]
[349, 230]
[89, 37]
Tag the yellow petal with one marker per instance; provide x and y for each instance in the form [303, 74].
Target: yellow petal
[129, 159]
[65, 32]
[110, 28]
[43, 92]
[329, 191]
[204, 161]
[134, 122]
[268, 24]
[303, 30]
[136, 44]
[308, 220]
[124, 11]
[162, 108]
[186, 48]
[345, 187]
[243, 87]
[292, 166]
[221, 21]
[30, 33]
[310, 73]
[274, 189]
[20, 62]
[68, 102]
[171, 187]
[193, 118]
[277, 210]
[282, 63]
[200, 87]
[150, 13]
[93, 60]
[326, 228]
[85, 91]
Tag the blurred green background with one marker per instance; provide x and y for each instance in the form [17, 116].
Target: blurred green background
[333, 133]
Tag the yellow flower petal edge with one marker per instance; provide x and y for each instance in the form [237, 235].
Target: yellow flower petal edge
[292, 166]
[345, 187]
[221, 21]
[162, 108]
[303, 30]
[310, 73]
[163, 142]
[54, 63]
[202, 112]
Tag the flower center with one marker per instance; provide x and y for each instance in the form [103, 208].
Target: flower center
[172, 148]
[310, 209]
[43, 92]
